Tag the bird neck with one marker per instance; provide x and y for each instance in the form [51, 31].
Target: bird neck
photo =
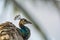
[21, 25]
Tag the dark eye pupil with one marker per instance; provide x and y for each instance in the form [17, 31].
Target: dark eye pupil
[24, 20]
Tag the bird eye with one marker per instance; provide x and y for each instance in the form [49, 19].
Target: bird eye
[25, 20]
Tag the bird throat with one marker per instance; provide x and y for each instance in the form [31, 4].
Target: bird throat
[21, 25]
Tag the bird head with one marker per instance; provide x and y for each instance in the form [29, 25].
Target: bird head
[24, 21]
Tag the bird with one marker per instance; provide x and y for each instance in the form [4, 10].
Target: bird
[8, 32]
[24, 31]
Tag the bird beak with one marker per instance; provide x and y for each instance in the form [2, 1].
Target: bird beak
[29, 22]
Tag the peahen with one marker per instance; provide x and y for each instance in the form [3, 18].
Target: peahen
[24, 31]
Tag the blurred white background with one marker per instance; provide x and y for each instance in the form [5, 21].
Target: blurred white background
[44, 13]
